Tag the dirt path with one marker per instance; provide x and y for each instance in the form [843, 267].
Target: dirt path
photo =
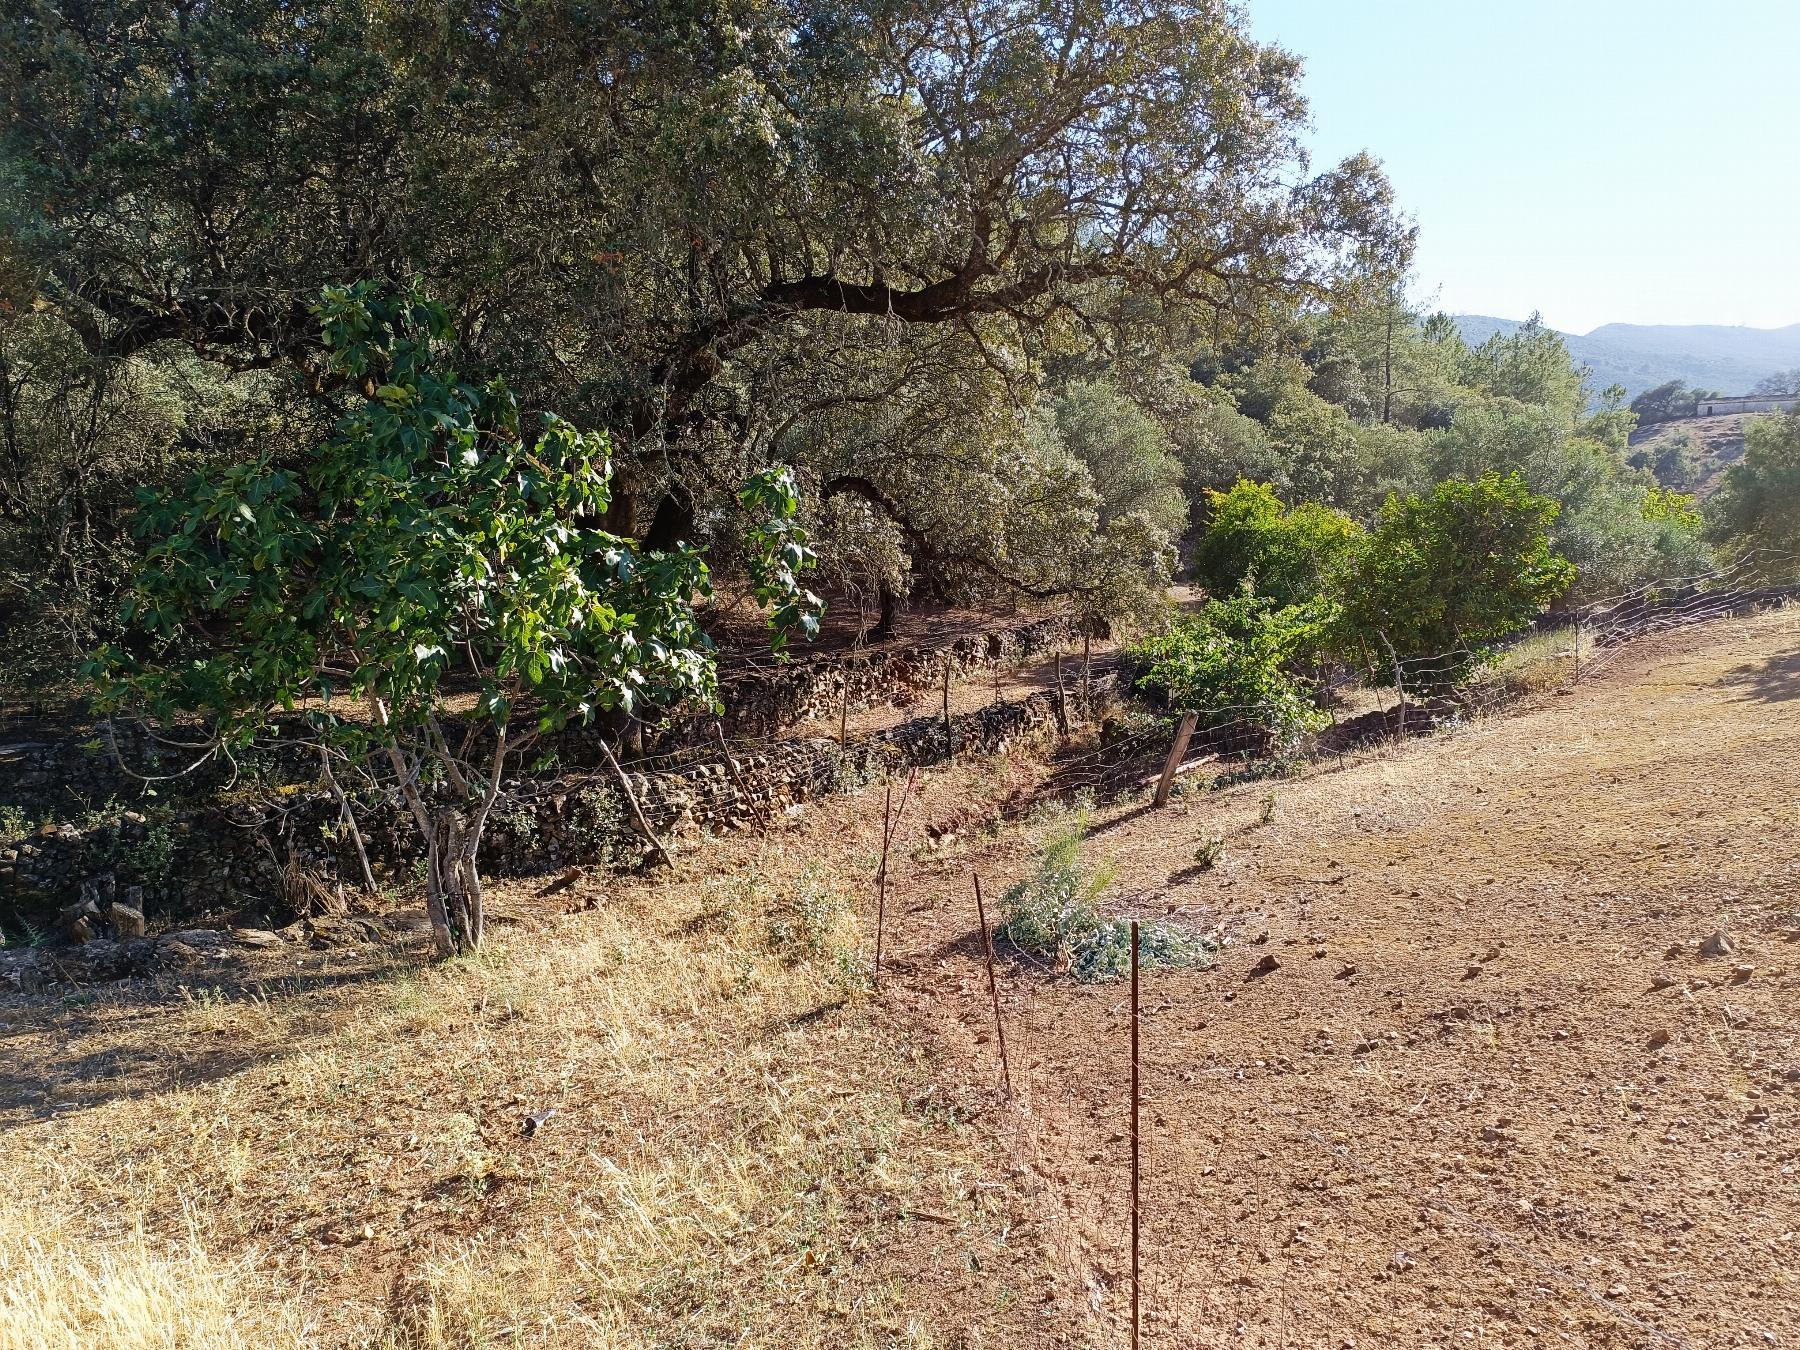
[1494, 1094]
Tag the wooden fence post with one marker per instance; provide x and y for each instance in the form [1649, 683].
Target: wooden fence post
[637, 811]
[1177, 752]
[764, 819]
[949, 728]
[1062, 704]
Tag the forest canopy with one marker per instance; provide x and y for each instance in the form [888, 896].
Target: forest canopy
[1010, 289]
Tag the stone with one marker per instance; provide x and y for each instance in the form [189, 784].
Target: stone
[126, 921]
[1268, 965]
[202, 939]
[1662, 981]
[1742, 972]
[1718, 944]
[93, 962]
[80, 921]
[255, 937]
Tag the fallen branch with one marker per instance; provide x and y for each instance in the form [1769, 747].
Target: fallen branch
[637, 811]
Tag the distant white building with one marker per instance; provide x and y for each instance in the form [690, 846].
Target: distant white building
[1749, 403]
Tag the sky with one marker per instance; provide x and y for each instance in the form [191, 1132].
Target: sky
[1601, 161]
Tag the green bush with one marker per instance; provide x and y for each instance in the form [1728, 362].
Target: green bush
[1053, 914]
[1254, 541]
[1444, 574]
[1237, 662]
[1758, 505]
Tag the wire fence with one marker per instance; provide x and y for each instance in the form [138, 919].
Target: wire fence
[1587, 643]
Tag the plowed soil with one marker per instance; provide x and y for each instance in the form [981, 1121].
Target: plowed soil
[1494, 1091]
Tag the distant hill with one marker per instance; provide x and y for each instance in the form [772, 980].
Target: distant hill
[1642, 356]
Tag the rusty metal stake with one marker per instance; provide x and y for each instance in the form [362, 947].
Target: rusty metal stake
[987, 946]
[949, 730]
[1135, 1107]
[890, 825]
[887, 831]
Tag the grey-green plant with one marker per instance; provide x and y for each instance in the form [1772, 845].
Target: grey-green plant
[1054, 914]
[809, 919]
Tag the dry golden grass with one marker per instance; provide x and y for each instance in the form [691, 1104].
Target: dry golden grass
[62, 1288]
[1539, 664]
[744, 1152]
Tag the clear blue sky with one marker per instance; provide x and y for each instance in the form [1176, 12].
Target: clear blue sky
[1633, 161]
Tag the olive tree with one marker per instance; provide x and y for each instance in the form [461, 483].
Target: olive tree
[432, 551]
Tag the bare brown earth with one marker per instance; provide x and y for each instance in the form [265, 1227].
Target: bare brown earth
[1460, 1111]
[1493, 1094]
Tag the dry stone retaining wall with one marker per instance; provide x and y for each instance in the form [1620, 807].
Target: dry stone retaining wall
[241, 851]
[769, 700]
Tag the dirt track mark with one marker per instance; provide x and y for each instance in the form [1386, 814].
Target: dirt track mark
[1532, 1112]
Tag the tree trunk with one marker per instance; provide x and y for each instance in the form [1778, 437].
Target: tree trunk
[890, 612]
[435, 909]
[453, 897]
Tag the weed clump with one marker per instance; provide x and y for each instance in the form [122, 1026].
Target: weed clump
[814, 922]
[1053, 914]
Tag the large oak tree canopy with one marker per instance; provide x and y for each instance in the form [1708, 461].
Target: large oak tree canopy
[675, 218]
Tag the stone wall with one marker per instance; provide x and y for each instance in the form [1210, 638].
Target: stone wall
[770, 700]
[261, 853]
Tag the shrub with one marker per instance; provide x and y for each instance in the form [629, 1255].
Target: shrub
[152, 858]
[1253, 540]
[1237, 661]
[1444, 574]
[812, 921]
[1758, 505]
[14, 823]
[1053, 914]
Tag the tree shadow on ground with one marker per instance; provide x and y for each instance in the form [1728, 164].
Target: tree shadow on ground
[77, 1048]
[1775, 680]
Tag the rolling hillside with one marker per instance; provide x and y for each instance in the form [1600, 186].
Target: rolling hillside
[1642, 356]
[1692, 454]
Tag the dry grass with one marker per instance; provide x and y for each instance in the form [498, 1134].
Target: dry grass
[60, 1288]
[743, 1152]
[1539, 664]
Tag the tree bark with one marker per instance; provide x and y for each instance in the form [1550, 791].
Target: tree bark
[890, 612]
